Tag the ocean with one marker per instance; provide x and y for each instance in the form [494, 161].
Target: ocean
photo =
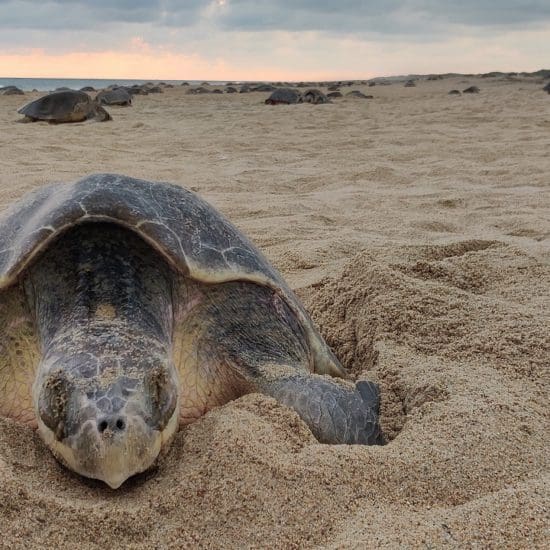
[50, 84]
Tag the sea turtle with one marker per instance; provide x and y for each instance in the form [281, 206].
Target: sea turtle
[359, 94]
[455, 92]
[117, 96]
[128, 307]
[153, 89]
[197, 91]
[263, 88]
[65, 106]
[11, 90]
[285, 96]
[471, 90]
[315, 96]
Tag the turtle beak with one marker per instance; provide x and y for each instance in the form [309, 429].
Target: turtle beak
[111, 449]
[108, 433]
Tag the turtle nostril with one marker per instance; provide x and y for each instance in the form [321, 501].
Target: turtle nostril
[102, 426]
[117, 424]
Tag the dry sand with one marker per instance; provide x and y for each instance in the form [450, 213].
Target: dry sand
[416, 228]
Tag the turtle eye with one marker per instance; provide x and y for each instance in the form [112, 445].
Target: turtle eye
[52, 403]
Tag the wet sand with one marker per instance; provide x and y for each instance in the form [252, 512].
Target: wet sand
[415, 227]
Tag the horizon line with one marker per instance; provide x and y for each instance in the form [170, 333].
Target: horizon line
[450, 73]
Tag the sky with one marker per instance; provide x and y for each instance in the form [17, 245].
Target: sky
[270, 39]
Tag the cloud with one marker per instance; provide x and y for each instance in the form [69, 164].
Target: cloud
[95, 14]
[337, 16]
[393, 17]
[346, 38]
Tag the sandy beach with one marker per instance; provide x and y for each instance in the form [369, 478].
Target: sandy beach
[415, 227]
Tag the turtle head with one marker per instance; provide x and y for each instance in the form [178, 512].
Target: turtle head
[107, 417]
[100, 114]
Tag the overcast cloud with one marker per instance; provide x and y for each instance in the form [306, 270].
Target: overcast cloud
[375, 16]
[234, 31]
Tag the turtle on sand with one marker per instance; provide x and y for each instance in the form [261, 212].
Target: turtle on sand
[65, 106]
[315, 97]
[128, 307]
[358, 93]
[471, 90]
[11, 90]
[263, 88]
[284, 96]
[118, 96]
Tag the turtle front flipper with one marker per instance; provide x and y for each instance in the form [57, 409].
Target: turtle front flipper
[334, 410]
[19, 357]
[235, 338]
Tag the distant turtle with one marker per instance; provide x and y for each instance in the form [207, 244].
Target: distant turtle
[199, 90]
[154, 89]
[65, 106]
[136, 89]
[230, 90]
[11, 90]
[118, 96]
[285, 96]
[143, 89]
[471, 90]
[358, 93]
[410, 84]
[455, 92]
[263, 88]
[315, 96]
[128, 307]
